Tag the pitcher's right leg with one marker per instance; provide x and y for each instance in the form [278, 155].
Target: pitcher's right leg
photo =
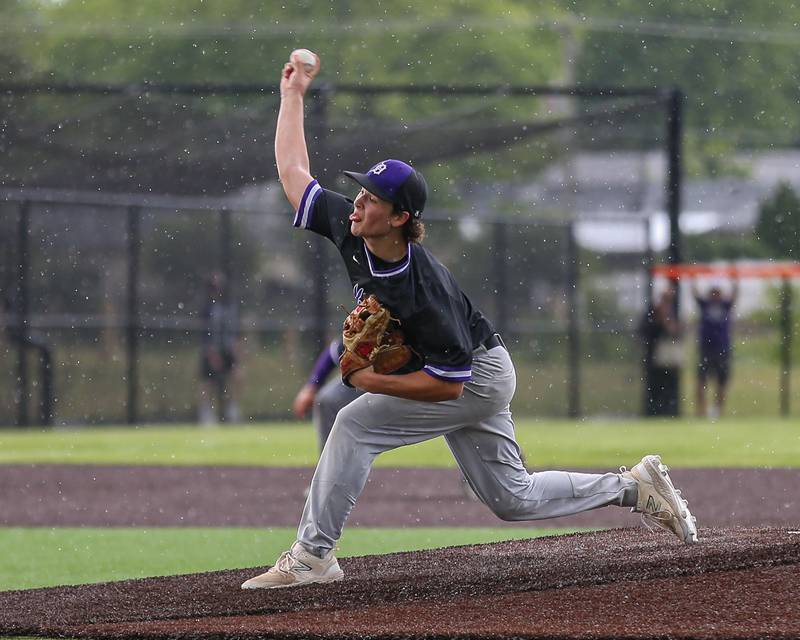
[489, 456]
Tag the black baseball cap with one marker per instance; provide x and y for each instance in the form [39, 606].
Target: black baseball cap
[397, 182]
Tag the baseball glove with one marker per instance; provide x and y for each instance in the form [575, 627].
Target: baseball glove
[372, 338]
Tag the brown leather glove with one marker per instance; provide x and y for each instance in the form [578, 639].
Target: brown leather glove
[372, 338]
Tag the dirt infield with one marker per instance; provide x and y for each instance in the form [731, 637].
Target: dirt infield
[741, 581]
[73, 495]
[622, 583]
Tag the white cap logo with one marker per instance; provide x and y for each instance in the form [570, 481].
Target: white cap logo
[378, 169]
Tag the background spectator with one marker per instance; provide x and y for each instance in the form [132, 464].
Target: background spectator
[714, 345]
[219, 366]
[661, 332]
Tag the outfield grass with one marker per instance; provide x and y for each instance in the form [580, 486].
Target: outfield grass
[35, 557]
[41, 557]
[732, 442]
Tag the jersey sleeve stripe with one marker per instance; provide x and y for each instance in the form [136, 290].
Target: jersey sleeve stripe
[303, 215]
[448, 373]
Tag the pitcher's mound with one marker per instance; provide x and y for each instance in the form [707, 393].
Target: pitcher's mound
[736, 583]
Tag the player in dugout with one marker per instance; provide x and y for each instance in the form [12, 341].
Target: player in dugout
[459, 384]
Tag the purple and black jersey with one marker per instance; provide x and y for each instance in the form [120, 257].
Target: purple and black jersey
[715, 326]
[438, 319]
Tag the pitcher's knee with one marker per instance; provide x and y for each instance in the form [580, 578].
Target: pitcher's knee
[348, 414]
[349, 423]
[509, 508]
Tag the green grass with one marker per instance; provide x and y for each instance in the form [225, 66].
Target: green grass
[734, 442]
[40, 557]
[90, 377]
[34, 557]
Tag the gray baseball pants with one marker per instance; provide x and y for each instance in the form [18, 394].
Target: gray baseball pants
[331, 397]
[480, 433]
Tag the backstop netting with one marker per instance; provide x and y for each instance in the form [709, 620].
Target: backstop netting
[120, 203]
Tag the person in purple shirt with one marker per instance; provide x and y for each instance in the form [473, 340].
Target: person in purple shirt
[714, 345]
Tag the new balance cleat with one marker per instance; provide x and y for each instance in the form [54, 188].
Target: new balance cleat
[295, 567]
[659, 502]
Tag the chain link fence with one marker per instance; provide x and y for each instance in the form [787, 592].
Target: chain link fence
[126, 199]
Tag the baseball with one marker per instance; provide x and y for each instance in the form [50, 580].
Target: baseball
[305, 56]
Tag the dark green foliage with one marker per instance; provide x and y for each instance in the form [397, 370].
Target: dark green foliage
[707, 247]
[779, 223]
[733, 60]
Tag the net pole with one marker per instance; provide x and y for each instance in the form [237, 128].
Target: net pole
[23, 273]
[786, 347]
[649, 261]
[500, 262]
[674, 186]
[573, 331]
[225, 250]
[132, 341]
[226, 266]
[674, 126]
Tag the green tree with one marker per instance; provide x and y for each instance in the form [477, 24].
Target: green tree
[717, 245]
[13, 44]
[448, 42]
[778, 224]
[155, 137]
[735, 61]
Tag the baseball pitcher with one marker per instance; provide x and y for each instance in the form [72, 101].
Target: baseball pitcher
[454, 377]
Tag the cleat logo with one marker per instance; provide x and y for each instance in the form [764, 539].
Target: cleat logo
[300, 566]
[652, 506]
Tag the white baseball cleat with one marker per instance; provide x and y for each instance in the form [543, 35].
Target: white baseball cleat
[295, 567]
[659, 502]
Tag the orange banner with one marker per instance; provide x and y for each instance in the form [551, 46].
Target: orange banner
[765, 270]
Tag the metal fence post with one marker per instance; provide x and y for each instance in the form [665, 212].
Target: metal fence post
[225, 251]
[23, 311]
[649, 261]
[226, 266]
[644, 360]
[573, 322]
[132, 321]
[786, 347]
[46, 392]
[500, 267]
[674, 186]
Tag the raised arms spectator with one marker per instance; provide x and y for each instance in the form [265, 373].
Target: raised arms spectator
[714, 345]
